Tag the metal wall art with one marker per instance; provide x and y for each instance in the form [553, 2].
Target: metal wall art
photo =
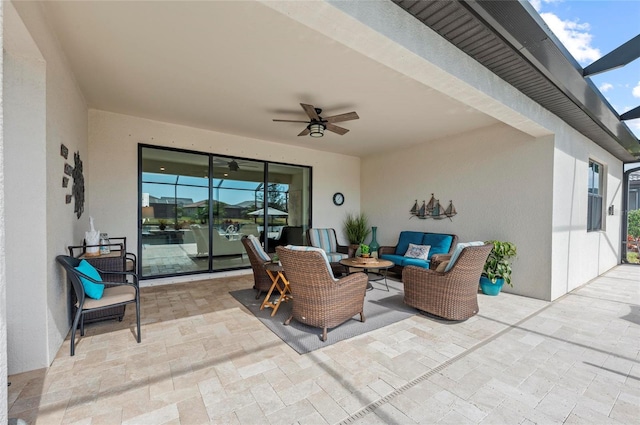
[75, 172]
[77, 189]
[432, 209]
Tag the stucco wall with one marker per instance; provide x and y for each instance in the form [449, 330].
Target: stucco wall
[3, 277]
[55, 226]
[578, 255]
[499, 180]
[112, 168]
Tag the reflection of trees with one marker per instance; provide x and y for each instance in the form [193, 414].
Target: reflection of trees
[276, 197]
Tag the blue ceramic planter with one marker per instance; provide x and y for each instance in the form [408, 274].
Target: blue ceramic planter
[489, 288]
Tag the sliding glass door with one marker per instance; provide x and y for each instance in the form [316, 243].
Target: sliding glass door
[195, 208]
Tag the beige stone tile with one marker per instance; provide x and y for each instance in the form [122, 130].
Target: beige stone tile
[205, 359]
[158, 416]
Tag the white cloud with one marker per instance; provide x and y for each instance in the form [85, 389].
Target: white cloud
[636, 90]
[575, 37]
[605, 87]
[537, 4]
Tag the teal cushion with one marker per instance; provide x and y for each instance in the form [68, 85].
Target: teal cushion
[406, 238]
[416, 262]
[439, 242]
[458, 249]
[398, 260]
[91, 289]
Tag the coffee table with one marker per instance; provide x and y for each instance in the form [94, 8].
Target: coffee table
[380, 264]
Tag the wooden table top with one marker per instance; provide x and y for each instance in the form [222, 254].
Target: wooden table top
[354, 262]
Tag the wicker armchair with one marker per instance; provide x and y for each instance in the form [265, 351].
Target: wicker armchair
[320, 300]
[261, 280]
[453, 294]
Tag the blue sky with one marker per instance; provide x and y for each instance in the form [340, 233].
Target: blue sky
[589, 29]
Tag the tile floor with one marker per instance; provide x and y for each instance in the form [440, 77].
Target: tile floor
[205, 359]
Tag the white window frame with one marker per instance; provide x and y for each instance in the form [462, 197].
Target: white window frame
[596, 193]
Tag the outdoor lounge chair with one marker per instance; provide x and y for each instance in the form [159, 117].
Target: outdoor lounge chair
[258, 258]
[451, 294]
[320, 300]
[117, 294]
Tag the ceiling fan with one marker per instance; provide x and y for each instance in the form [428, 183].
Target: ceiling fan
[318, 124]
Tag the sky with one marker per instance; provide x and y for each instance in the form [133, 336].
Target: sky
[589, 29]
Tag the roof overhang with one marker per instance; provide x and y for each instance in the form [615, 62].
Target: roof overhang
[512, 40]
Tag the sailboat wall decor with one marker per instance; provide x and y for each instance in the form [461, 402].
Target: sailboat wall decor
[432, 209]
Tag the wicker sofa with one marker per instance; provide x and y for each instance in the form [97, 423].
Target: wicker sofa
[440, 243]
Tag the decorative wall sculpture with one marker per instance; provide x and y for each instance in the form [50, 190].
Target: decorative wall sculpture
[75, 172]
[432, 209]
[78, 185]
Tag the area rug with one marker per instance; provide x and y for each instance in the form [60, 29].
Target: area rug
[381, 308]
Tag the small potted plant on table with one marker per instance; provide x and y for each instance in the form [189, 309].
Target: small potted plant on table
[497, 269]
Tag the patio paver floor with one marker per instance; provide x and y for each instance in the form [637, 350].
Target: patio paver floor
[205, 359]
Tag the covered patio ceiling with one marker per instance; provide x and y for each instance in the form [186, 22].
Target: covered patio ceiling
[233, 67]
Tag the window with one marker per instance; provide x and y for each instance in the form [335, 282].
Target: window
[596, 196]
[196, 206]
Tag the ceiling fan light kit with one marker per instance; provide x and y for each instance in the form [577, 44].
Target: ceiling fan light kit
[316, 130]
[317, 124]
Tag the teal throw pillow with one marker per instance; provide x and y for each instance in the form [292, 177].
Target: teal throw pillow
[91, 289]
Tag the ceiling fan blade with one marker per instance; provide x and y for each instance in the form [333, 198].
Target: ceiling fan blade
[311, 111]
[291, 121]
[343, 117]
[336, 129]
[304, 132]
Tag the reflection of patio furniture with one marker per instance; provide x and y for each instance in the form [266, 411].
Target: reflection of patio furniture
[221, 245]
[250, 229]
[289, 235]
[453, 294]
[258, 258]
[319, 300]
[116, 296]
[202, 239]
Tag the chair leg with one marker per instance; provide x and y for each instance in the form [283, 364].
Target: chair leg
[286, 322]
[73, 332]
[138, 319]
[258, 294]
[362, 319]
[324, 334]
[82, 326]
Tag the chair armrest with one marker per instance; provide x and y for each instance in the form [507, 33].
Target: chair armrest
[352, 279]
[133, 275]
[343, 249]
[437, 259]
[386, 250]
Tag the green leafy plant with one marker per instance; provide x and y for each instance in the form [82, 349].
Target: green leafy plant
[633, 225]
[498, 265]
[356, 228]
[364, 249]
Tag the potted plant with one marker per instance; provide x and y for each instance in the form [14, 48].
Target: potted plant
[497, 268]
[356, 228]
[364, 250]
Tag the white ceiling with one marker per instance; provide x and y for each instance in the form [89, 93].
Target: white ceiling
[232, 67]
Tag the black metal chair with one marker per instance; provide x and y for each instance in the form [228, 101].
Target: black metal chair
[117, 294]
